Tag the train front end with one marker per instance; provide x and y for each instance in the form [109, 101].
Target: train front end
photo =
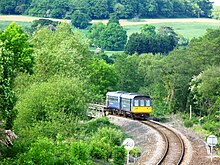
[142, 105]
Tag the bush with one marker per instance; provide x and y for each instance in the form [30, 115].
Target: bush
[100, 150]
[47, 101]
[93, 125]
[211, 126]
[188, 123]
[41, 152]
[43, 22]
[109, 135]
[135, 152]
[79, 151]
[119, 155]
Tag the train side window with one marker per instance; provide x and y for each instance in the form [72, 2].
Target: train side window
[142, 103]
[136, 103]
[115, 99]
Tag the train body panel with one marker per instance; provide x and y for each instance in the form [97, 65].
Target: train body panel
[126, 104]
[113, 99]
[146, 110]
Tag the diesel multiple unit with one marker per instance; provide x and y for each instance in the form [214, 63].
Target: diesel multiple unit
[123, 103]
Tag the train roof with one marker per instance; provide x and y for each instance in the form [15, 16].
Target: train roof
[133, 95]
[129, 95]
[126, 95]
[115, 93]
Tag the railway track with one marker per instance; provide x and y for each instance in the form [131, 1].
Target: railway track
[174, 148]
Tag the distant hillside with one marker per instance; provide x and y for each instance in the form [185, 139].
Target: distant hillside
[102, 9]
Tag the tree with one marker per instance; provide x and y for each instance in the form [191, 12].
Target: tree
[113, 19]
[148, 30]
[113, 37]
[45, 102]
[80, 19]
[7, 6]
[137, 43]
[126, 67]
[43, 22]
[205, 90]
[167, 39]
[15, 56]
[102, 76]
[63, 52]
[119, 9]
[99, 9]
[204, 51]
[94, 33]
[165, 8]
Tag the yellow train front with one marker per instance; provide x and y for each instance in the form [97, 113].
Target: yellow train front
[128, 104]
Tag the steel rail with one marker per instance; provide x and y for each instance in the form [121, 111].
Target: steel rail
[152, 123]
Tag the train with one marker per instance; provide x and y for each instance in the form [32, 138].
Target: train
[128, 104]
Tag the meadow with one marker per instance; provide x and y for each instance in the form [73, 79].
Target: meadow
[25, 25]
[189, 27]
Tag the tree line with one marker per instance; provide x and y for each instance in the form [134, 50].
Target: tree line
[102, 9]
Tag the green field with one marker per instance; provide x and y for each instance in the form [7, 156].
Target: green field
[186, 29]
[25, 25]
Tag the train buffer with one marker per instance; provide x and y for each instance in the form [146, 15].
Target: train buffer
[96, 110]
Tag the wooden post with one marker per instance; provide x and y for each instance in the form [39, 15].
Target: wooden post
[190, 112]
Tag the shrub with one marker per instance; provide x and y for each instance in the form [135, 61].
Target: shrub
[135, 152]
[93, 125]
[109, 135]
[100, 150]
[188, 123]
[43, 22]
[79, 152]
[211, 126]
[47, 101]
[119, 155]
[41, 152]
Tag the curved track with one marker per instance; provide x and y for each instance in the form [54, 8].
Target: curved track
[174, 148]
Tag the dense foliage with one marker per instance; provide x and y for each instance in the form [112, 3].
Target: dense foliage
[113, 37]
[80, 19]
[148, 41]
[109, 37]
[102, 9]
[15, 56]
[216, 12]
[187, 76]
[52, 102]
[51, 120]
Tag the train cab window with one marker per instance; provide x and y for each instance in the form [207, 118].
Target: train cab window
[148, 102]
[142, 103]
[136, 103]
